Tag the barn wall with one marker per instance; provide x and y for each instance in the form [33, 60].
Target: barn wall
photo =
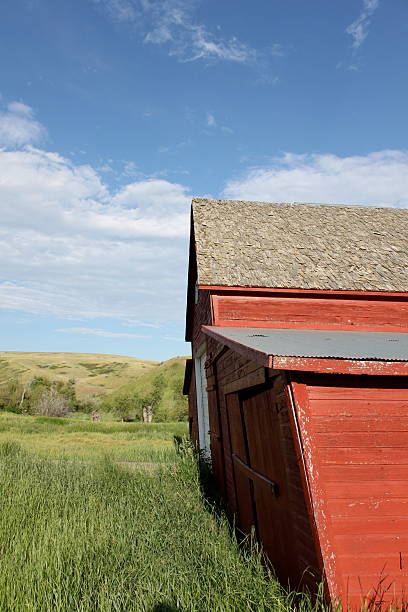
[202, 316]
[313, 311]
[354, 432]
[250, 427]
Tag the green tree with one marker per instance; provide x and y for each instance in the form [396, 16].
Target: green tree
[180, 401]
[127, 407]
[151, 400]
[13, 396]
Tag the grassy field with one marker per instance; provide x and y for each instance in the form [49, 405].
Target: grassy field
[94, 535]
[76, 439]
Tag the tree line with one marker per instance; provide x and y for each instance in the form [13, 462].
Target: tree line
[162, 401]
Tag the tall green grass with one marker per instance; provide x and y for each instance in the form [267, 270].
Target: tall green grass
[98, 537]
[75, 439]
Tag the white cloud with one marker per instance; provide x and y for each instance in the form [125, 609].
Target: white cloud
[358, 30]
[19, 108]
[202, 45]
[19, 127]
[379, 178]
[137, 323]
[211, 122]
[72, 247]
[97, 332]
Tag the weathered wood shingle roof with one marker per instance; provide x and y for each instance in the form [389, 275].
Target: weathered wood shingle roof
[305, 246]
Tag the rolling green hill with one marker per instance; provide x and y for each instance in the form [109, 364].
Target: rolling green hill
[94, 374]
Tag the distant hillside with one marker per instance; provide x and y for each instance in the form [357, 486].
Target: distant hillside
[94, 374]
[171, 373]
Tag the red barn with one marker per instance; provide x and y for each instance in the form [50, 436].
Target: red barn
[298, 387]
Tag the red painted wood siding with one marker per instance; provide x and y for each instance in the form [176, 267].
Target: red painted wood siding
[282, 519]
[311, 311]
[202, 316]
[245, 419]
[354, 433]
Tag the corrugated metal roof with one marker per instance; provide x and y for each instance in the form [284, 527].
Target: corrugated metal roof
[382, 346]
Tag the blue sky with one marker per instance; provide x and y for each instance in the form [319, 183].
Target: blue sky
[114, 113]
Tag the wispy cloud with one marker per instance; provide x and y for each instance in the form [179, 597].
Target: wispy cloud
[379, 179]
[87, 331]
[171, 23]
[358, 30]
[19, 127]
[120, 10]
[174, 339]
[211, 122]
[176, 148]
[137, 323]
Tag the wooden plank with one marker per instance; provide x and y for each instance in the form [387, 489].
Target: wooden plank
[375, 456]
[369, 489]
[255, 476]
[257, 377]
[245, 505]
[273, 532]
[322, 410]
[374, 563]
[367, 507]
[374, 525]
[230, 492]
[371, 543]
[355, 410]
[237, 367]
[382, 439]
[363, 473]
[314, 312]
[238, 446]
[373, 394]
[364, 424]
[340, 366]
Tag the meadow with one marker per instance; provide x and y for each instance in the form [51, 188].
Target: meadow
[84, 526]
[82, 440]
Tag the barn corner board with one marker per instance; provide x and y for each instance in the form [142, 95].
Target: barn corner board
[298, 386]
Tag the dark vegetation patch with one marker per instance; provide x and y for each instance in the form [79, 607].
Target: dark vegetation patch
[104, 368]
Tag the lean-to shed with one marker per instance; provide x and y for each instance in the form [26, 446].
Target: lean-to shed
[298, 386]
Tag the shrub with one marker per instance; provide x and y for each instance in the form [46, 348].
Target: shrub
[52, 403]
